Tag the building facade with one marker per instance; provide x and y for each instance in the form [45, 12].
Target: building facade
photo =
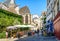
[53, 6]
[57, 26]
[43, 19]
[41, 22]
[10, 5]
[36, 22]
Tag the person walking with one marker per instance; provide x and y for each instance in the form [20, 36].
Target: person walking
[6, 34]
[38, 32]
[18, 35]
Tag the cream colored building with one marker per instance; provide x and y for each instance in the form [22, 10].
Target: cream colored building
[12, 7]
[42, 19]
[41, 22]
[36, 22]
[53, 6]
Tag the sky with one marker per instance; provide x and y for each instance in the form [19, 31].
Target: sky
[35, 6]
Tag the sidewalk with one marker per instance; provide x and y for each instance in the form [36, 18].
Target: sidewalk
[9, 39]
[12, 39]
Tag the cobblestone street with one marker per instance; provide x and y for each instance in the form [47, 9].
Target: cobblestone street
[37, 38]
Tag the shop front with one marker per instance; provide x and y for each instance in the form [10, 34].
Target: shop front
[18, 30]
[57, 26]
[49, 28]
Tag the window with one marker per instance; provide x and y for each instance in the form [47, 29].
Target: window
[26, 19]
[57, 6]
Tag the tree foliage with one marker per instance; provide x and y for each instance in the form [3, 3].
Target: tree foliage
[8, 19]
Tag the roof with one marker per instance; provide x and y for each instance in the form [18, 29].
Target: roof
[24, 10]
[8, 2]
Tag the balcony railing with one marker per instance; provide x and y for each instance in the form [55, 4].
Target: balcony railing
[49, 17]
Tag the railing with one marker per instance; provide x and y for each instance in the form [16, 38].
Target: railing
[49, 17]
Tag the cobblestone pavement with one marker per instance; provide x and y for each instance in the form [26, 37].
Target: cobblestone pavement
[38, 38]
[31, 38]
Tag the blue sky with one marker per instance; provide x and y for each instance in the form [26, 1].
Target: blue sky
[35, 6]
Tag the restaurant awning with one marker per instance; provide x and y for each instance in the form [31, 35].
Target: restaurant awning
[18, 26]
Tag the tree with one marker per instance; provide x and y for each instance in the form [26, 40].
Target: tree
[8, 19]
